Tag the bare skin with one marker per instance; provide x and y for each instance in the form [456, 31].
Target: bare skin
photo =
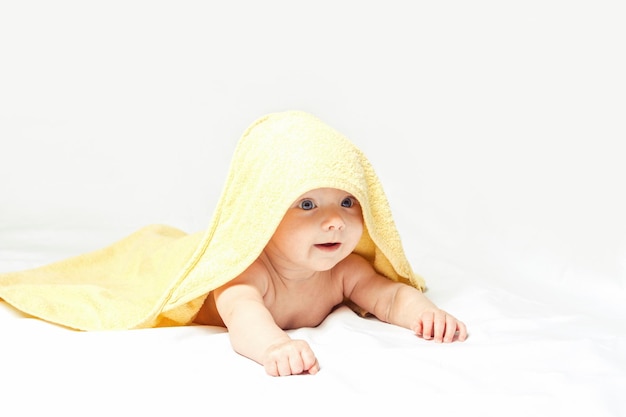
[305, 271]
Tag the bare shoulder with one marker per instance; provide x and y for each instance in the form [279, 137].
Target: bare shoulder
[250, 284]
[256, 275]
[356, 264]
[361, 281]
[355, 269]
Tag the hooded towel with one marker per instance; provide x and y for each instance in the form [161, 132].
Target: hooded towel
[160, 276]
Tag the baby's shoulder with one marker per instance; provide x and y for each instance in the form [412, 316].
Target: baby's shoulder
[256, 274]
[354, 265]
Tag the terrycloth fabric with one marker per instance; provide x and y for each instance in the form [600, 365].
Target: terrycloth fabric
[159, 276]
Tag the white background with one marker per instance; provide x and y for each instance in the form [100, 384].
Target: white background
[497, 128]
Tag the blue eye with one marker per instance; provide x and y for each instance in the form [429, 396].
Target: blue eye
[307, 205]
[347, 202]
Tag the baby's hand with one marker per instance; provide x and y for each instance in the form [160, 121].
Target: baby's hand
[439, 326]
[292, 357]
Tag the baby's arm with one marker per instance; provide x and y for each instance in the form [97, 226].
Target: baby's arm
[254, 333]
[412, 309]
[398, 303]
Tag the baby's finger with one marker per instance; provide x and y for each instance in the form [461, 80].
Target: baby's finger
[296, 365]
[427, 325]
[271, 368]
[310, 363]
[461, 331]
[315, 368]
[439, 326]
[417, 327]
[451, 328]
[283, 366]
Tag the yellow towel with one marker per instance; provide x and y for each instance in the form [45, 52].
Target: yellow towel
[159, 276]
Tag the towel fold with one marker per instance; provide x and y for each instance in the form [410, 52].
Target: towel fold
[159, 276]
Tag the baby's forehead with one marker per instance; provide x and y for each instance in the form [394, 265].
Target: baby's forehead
[326, 192]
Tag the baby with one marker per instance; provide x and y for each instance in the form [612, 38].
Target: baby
[305, 271]
[302, 225]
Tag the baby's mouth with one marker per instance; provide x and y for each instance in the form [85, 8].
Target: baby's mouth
[328, 246]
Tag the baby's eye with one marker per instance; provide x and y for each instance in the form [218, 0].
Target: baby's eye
[307, 205]
[347, 202]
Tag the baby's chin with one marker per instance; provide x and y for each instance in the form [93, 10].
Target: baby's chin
[326, 256]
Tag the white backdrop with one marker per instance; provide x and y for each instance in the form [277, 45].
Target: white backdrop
[495, 127]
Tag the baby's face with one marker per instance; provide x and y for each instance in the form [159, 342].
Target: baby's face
[321, 228]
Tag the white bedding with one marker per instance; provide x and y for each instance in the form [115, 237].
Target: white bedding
[495, 131]
[531, 352]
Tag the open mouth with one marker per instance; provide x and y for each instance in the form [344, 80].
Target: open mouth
[328, 246]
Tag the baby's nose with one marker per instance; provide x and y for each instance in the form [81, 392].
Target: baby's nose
[333, 221]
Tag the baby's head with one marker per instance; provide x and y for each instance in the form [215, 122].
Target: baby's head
[279, 159]
[283, 156]
[321, 228]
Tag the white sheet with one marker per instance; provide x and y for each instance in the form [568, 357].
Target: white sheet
[495, 129]
[530, 352]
